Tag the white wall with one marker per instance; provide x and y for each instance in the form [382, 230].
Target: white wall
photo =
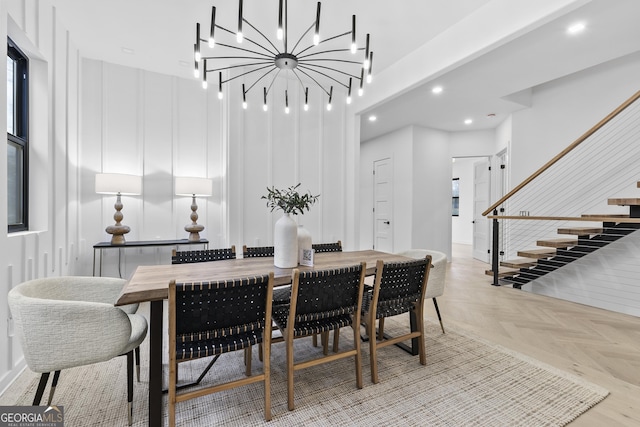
[52, 245]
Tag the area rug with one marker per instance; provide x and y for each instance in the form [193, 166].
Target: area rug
[466, 382]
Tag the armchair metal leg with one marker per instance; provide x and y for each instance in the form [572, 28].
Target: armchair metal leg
[137, 353]
[438, 312]
[54, 384]
[40, 391]
[130, 386]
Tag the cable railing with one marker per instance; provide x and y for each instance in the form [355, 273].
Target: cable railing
[602, 163]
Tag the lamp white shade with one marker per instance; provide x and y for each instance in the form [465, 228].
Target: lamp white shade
[114, 183]
[191, 186]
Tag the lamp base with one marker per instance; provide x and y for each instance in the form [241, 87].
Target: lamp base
[194, 231]
[117, 232]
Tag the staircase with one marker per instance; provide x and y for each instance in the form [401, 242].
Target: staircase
[555, 253]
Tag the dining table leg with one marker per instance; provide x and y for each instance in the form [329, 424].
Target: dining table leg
[155, 364]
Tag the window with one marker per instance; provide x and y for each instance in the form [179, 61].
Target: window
[455, 199]
[17, 138]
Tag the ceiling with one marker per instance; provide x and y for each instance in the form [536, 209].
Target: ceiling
[157, 35]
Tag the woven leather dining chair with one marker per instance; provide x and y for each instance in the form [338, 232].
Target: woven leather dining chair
[256, 251]
[322, 301]
[327, 247]
[188, 257]
[399, 288]
[217, 317]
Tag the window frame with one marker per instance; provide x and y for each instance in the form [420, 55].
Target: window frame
[455, 198]
[20, 137]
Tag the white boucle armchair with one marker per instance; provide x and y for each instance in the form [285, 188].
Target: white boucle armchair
[435, 284]
[64, 322]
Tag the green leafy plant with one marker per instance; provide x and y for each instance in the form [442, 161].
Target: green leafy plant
[289, 200]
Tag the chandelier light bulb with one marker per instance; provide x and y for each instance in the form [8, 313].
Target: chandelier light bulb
[360, 92]
[196, 73]
[366, 64]
[239, 37]
[212, 43]
[316, 39]
[354, 48]
[265, 107]
[198, 57]
[328, 107]
[306, 107]
[204, 84]
[286, 109]
[244, 104]
[220, 95]
[280, 33]
[369, 78]
[348, 99]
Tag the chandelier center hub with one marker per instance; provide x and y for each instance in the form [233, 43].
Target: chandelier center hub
[286, 61]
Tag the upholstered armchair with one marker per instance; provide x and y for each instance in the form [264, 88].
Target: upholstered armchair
[435, 285]
[64, 322]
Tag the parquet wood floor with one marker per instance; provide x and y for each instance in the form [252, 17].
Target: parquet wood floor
[600, 346]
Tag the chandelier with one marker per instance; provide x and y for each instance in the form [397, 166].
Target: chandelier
[315, 59]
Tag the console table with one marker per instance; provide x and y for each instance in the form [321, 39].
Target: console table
[99, 247]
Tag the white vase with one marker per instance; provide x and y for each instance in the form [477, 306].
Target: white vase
[304, 241]
[285, 242]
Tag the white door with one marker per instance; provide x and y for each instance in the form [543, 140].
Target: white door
[481, 194]
[382, 205]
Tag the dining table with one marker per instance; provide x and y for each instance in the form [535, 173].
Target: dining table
[150, 283]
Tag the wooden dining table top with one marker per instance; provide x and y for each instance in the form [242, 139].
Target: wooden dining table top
[151, 282]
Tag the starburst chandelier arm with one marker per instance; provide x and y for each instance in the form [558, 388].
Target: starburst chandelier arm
[302, 68]
[301, 37]
[346, 61]
[273, 80]
[245, 38]
[243, 49]
[315, 81]
[230, 67]
[308, 66]
[245, 73]
[321, 52]
[299, 79]
[265, 37]
[261, 77]
[323, 41]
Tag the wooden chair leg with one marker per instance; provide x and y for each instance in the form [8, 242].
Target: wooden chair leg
[373, 357]
[315, 340]
[438, 312]
[266, 371]
[325, 342]
[358, 355]
[336, 339]
[420, 325]
[290, 372]
[130, 386]
[54, 384]
[247, 360]
[44, 377]
[380, 329]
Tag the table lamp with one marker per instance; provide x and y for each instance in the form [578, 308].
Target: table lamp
[119, 184]
[190, 186]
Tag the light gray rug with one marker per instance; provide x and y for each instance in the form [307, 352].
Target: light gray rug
[466, 382]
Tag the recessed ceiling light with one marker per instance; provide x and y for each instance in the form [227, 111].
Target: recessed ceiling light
[372, 118]
[127, 50]
[436, 89]
[468, 122]
[576, 28]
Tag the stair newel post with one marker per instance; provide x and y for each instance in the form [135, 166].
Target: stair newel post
[495, 249]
